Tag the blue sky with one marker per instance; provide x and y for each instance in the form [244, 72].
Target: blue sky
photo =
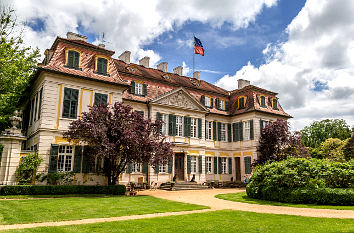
[303, 49]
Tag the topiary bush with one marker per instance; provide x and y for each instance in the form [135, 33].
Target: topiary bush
[61, 189]
[299, 180]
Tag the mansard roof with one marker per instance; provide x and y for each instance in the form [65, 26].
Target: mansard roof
[158, 82]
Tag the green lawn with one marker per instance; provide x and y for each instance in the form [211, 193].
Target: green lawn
[242, 197]
[60, 209]
[216, 221]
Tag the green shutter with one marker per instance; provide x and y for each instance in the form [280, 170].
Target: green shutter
[171, 121]
[77, 159]
[76, 59]
[226, 105]
[217, 103]
[53, 159]
[158, 116]
[215, 165]
[129, 167]
[200, 164]
[100, 98]
[70, 59]
[241, 131]
[145, 168]
[102, 65]
[219, 165]
[261, 125]
[157, 169]
[229, 136]
[205, 128]
[219, 131]
[132, 87]
[251, 130]
[200, 128]
[248, 166]
[170, 163]
[98, 168]
[35, 108]
[214, 131]
[188, 164]
[234, 132]
[144, 90]
[206, 165]
[187, 126]
[203, 100]
[40, 103]
[230, 165]
[211, 102]
[85, 159]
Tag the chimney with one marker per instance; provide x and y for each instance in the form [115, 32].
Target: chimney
[242, 83]
[102, 46]
[162, 66]
[125, 56]
[178, 70]
[144, 61]
[196, 75]
[75, 36]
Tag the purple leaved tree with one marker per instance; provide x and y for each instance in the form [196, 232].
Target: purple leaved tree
[119, 137]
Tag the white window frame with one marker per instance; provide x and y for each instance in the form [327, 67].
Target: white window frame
[207, 101]
[164, 124]
[138, 88]
[209, 166]
[179, 126]
[223, 132]
[209, 130]
[163, 168]
[223, 165]
[247, 130]
[222, 104]
[193, 127]
[65, 158]
[136, 168]
[193, 164]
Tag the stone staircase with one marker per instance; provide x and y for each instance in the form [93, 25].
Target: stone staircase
[182, 185]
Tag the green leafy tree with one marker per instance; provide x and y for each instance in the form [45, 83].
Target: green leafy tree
[319, 131]
[25, 172]
[17, 64]
[332, 149]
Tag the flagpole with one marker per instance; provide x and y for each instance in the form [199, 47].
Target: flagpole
[193, 53]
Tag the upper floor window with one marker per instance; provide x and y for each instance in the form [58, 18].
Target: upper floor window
[138, 88]
[247, 130]
[101, 65]
[275, 104]
[71, 97]
[223, 132]
[208, 130]
[193, 127]
[164, 124]
[241, 103]
[262, 101]
[73, 59]
[100, 98]
[65, 158]
[207, 101]
[178, 126]
[136, 167]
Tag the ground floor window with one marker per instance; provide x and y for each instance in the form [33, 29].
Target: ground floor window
[223, 165]
[65, 158]
[208, 165]
[194, 164]
[162, 168]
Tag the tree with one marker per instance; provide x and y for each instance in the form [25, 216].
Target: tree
[17, 65]
[332, 149]
[26, 170]
[315, 134]
[119, 137]
[277, 143]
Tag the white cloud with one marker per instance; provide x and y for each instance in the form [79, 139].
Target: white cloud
[320, 47]
[186, 68]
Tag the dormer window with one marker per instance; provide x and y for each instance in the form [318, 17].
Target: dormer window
[138, 88]
[275, 104]
[241, 102]
[101, 65]
[72, 59]
[221, 104]
[207, 101]
[262, 101]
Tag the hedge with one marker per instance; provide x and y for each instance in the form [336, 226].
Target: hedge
[61, 189]
[299, 180]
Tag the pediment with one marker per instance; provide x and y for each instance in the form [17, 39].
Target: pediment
[179, 98]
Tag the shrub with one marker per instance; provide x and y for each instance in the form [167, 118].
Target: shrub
[26, 170]
[61, 189]
[57, 178]
[332, 149]
[281, 181]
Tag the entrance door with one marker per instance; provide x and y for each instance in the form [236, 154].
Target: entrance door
[179, 166]
[238, 168]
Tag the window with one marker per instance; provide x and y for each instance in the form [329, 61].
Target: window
[223, 132]
[208, 128]
[178, 126]
[70, 103]
[136, 167]
[207, 101]
[241, 103]
[247, 130]
[162, 168]
[100, 98]
[65, 157]
[193, 164]
[164, 124]
[223, 165]
[248, 165]
[101, 66]
[138, 88]
[40, 103]
[73, 59]
[275, 104]
[35, 108]
[222, 104]
[193, 127]
[208, 165]
[263, 101]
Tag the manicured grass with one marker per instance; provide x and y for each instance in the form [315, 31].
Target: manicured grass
[60, 209]
[54, 196]
[242, 197]
[215, 221]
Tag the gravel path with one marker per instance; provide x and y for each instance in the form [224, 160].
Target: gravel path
[200, 197]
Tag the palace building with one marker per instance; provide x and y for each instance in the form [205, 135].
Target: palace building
[214, 132]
